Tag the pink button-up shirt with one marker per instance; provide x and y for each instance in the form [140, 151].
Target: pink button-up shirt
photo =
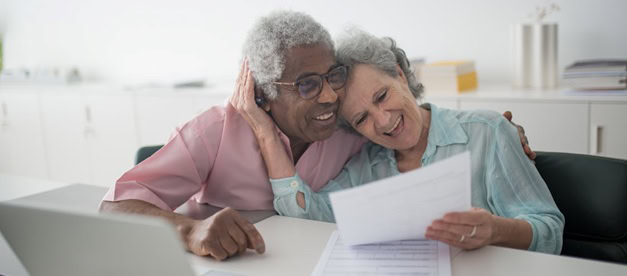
[215, 159]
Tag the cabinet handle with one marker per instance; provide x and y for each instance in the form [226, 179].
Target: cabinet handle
[88, 131]
[596, 139]
[5, 115]
[5, 110]
[88, 114]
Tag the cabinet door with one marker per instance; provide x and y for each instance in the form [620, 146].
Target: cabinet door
[449, 103]
[159, 115]
[558, 127]
[111, 136]
[65, 118]
[21, 138]
[608, 133]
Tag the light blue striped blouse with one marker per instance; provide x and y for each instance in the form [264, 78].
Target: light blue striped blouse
[504, 180]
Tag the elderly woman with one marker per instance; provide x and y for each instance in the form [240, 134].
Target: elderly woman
[512, 205]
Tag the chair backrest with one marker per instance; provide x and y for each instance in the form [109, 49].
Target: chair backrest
[145, 152]
[591, 192]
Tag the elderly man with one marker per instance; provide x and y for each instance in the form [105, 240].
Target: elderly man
[215, 158]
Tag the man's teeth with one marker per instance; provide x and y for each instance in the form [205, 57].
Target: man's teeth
[398, 121]
[325, 116]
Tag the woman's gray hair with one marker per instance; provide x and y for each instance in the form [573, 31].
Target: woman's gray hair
[272, 37]
[359, 47]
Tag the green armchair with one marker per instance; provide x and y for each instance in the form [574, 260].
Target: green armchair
[591, 192]
[144, 152]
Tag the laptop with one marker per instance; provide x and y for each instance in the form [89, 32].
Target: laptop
[61, 242]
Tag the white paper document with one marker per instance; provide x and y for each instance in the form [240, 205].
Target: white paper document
[405, 257]
[403, 206]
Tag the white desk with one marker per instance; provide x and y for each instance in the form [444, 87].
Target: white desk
[12, 187]
[293, 247]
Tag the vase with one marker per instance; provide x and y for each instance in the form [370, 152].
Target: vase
[534, 55]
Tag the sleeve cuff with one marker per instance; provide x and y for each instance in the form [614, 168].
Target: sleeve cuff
[533, 245]
[125, 191]
[288, 185]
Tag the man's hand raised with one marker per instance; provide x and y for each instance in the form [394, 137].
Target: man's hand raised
[523, 138]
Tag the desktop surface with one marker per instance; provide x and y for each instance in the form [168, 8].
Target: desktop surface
[81, 197]
[293, 246]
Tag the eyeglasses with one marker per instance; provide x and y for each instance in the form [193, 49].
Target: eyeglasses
[310, 86]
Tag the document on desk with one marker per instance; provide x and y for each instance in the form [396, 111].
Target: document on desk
[405, 257]
[403, 206]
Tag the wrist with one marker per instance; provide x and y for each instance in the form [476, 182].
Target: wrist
[509, 232]
[266, 135]
[185, 228]
[500, 230]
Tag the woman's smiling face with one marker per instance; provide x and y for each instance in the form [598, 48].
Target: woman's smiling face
[381, 107]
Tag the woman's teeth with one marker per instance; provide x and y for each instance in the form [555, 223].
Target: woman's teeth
[398, 121]
[324, 116]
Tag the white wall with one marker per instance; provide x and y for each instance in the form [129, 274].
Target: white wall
[158, 40]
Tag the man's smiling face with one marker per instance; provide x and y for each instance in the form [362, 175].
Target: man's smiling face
[306, 120]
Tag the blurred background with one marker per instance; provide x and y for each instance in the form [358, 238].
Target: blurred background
[135, 41]
[85, 83]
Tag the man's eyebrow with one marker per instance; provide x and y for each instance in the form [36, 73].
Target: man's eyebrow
[304, 75]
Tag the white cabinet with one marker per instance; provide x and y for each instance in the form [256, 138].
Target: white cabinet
[608, 130]
[85, 134]
[441, 102]
[91, 136]
[550, 126]
[111, 136]
[21, 137]
[158, 115]
[66, 146]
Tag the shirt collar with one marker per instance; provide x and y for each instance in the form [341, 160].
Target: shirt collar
[445, 130]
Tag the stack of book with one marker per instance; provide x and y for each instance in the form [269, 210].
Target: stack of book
[449, 77]
[596, 75]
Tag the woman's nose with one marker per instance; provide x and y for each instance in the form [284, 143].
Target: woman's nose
[382, 119]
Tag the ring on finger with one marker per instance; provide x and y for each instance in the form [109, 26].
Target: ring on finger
[474, 231]
[462, 238]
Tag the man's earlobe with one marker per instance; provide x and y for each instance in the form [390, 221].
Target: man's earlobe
[261, 102]
[260, 99]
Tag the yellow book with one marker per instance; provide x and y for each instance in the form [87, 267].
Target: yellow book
[449, 77]
[448, 68]
[467, 82]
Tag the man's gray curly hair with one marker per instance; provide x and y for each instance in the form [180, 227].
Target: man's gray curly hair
[269, 40]
[359, 47]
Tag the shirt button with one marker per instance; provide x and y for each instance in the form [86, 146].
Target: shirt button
[294, 184]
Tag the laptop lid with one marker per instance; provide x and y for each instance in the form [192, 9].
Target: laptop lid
[54, 242]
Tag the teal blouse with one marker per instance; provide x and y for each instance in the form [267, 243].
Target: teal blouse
[504, 180]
